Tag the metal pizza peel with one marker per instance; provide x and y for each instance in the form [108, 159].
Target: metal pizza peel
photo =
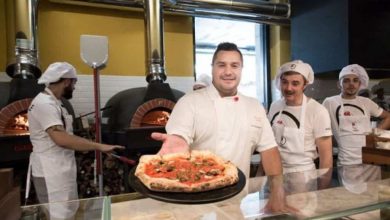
[94, 52]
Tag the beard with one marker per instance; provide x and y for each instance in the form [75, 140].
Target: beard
[68, 92]
[351, 91]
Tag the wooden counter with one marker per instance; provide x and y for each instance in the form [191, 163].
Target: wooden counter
[373, 155]
[376, 156]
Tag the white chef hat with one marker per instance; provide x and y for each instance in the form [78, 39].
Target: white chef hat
[358, 71]
[56, 71]
[295, 66]
[202, 81]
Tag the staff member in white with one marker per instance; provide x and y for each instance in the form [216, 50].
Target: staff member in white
[52, 161]
[350, 114]
[300, 124]
[220, 119]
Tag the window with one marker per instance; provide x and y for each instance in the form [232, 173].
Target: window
[248, 36]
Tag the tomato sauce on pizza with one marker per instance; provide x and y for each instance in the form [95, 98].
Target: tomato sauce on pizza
[184, 172]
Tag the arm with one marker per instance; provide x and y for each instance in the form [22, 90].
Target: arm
[58, 134]
[271, 161]
[324, 145]
[273, 168]
[385, 123]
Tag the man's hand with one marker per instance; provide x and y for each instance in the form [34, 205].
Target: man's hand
[105, 148]
[277, 198]
[171, 143]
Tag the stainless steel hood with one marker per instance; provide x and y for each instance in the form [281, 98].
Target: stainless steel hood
[245, 10]
[22, 39]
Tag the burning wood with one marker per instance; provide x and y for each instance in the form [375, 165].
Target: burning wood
[156, 118]
[18, 123]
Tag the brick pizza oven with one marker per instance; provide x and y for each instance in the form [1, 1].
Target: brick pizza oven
[143, 109]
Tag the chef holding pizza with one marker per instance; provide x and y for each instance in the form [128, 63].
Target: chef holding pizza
[301, 125]
[220, 119]
[350, 114]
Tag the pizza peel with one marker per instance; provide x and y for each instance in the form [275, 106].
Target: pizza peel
[94, 53]
[124, 159]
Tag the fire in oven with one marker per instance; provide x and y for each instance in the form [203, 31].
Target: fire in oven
[14, 134]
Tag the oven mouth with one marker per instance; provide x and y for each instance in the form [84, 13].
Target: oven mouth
[13, 118]
[18, 125]
[156, 117]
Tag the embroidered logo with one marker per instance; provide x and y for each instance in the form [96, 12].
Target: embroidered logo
[293, 66]
[347, 113]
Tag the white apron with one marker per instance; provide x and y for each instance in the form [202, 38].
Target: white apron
[291, 143]
[352, 131]
[59, 170]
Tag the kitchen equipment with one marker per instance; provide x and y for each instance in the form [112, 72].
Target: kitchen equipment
[124, 159]
[94, 52]
[189, 198]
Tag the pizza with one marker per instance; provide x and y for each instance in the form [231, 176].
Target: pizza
[197, 171]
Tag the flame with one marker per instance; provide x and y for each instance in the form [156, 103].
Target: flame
[20, 122]
[156, 118]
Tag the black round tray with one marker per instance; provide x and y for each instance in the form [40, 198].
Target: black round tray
[189, 198]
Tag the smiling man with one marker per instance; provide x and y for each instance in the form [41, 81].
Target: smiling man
[301, 125]
[350, 114]
[220, 119]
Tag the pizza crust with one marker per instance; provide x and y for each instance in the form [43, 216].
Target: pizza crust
[228, 177]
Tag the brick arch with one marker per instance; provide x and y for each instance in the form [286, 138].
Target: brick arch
[11, 110]
[143, 109]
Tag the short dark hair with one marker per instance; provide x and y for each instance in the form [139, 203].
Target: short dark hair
[226, 46]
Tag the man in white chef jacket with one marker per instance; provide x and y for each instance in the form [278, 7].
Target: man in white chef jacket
[52, 161]
[220, 119]
[350, 114]
[301, 125]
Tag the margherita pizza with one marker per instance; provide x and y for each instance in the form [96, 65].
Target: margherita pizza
[184, 172]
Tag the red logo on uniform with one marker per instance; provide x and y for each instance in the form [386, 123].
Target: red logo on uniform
[235, 98]
[347, 113]
[280, 122]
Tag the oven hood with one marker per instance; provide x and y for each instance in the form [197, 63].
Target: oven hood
[22, 50]
[334, 33]
[258, 11]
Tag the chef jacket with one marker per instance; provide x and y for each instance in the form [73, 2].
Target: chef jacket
[231, 127]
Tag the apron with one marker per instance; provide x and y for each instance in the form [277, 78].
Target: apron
[355, 177]
[59, 171]
[291, 143]
[352, 130]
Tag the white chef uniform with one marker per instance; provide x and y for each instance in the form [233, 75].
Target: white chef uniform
[232, 127]
[350, 123]
[295, 129]
[56, 164]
